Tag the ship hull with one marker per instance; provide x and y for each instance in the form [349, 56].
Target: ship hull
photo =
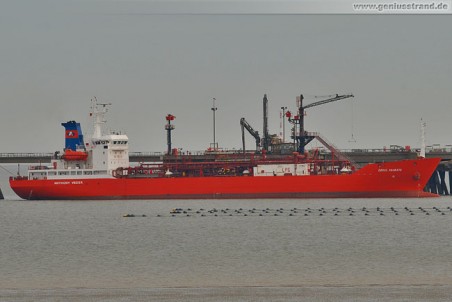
[405, 178]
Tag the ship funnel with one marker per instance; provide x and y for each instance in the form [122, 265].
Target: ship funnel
[73, 136]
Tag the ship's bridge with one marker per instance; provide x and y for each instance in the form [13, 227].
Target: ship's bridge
[110, 152]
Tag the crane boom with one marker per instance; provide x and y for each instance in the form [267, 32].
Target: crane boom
[336, 98]
[303, 139]
[245, 125]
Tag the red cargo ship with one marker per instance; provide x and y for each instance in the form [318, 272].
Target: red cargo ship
[100, 170]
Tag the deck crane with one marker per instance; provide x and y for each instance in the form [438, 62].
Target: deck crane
[245, 125]
[303, 138]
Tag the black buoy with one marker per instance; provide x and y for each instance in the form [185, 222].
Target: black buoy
[1, 195]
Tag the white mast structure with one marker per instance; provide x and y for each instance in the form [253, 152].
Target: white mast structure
[108, 151]
[98, 116]
[422, 152]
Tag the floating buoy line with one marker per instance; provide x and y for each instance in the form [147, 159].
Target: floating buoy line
[302, 212]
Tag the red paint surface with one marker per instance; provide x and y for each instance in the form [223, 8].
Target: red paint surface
[405, 178]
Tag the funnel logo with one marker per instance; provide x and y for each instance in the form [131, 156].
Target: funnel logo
[71, 134]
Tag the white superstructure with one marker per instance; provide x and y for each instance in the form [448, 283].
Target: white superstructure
[102, 154]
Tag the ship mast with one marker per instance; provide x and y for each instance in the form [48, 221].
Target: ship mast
[98, 111]
[422, 152]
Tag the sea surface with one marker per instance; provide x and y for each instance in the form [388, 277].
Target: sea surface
[226, 250]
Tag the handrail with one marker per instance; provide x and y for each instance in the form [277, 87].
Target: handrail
[233, 151]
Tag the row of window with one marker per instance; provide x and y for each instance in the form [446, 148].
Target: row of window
[114, 142]
[53, 173]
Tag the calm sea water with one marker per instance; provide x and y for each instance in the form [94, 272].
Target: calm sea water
[72, 250]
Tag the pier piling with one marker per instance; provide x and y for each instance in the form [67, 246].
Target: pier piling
[442, 176]
[450, 180]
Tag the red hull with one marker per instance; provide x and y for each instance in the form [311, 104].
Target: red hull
[395, 179]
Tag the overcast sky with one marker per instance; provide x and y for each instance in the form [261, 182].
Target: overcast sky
[56, 55]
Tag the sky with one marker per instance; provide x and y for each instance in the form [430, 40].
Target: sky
[149, 59]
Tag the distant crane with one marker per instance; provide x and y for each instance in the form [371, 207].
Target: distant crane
[245, 125]
[266, 140]
[303, 138]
